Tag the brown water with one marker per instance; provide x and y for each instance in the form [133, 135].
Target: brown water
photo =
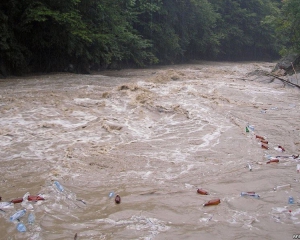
[153, 136]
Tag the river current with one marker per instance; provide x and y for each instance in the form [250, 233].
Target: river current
[153, 136]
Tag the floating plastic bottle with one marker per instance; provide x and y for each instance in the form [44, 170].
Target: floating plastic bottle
[282, 148]
[59, 186]
[268, 156]
[259, 137]
[17, 215]
[31, 218]
[251, 128]
[295, 156]
[247, 129]
[17, 200]
[273, 161]
[298, 168]
[25, 203]
[212, 202]
[111, 194]
[202, 191]
[282, 187]
[21, 227]
[291, 200]
[118, 199]
[250, 194]
[264, 141]
[264, 146]
[6, 204]
[279, 148]
[35, 198]
[250, 167]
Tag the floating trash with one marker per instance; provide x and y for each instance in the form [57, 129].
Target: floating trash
[212, 202]
[282, 187]
[111, 194]
[202, 192]
[118, 199]
[250, 167]
[279, 149]
[31, 218]
[59, 186]
[291, 200]
[250, 194]
[273, 161]
[21, 227]
[17, 215]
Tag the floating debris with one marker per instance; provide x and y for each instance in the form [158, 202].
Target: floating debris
[212, 202]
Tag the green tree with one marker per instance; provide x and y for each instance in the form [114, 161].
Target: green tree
[288, 26]
[244, 31]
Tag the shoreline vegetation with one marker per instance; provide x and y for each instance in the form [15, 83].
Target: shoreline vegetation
[82, 36]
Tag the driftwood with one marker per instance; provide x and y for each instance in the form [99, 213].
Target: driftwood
[295, 85]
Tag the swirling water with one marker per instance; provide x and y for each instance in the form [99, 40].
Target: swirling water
[153, 136]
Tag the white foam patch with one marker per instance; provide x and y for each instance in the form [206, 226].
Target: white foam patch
[139, 223]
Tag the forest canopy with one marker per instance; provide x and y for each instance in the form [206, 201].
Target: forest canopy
[80, 35]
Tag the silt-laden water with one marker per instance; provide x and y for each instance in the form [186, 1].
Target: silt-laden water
[153, 136]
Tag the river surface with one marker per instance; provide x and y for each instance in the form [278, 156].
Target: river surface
[153, 136]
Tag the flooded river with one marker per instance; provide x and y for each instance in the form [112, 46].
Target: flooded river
[153, 136]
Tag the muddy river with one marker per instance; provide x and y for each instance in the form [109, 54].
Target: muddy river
[152, 136]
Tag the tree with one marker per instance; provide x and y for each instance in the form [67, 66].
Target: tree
[245, 33]
[288, 26]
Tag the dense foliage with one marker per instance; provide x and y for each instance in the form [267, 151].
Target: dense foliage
[288, 26]
[79, 35]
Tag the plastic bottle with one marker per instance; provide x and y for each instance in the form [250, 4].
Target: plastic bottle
[282, 187]
[212, 202]
[17, 200]
[118, 199]
[21, 227]
[268, 156]
[250, 167]
[264, 146]
[31, 218]
[298, 168]
[111, 194]
[59, 186]
[251, 128]
[251, 194]
[259, 137]
[273, 161]
[282, 148]
[264, 141]
[35, 198]
[202, 191]
[17, 215]
[291, 200]
[6, 204]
